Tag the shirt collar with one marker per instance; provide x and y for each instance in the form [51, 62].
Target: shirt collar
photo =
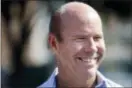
[51, 82]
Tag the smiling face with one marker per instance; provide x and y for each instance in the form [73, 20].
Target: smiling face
[80, 53]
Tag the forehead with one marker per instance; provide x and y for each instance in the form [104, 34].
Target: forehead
[81, 24]
[82, 31]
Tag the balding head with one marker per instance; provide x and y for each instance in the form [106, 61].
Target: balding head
[72, 13]
[79, 54]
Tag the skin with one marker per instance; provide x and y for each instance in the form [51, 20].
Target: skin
[80, 53]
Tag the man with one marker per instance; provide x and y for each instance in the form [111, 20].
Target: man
[76, 39]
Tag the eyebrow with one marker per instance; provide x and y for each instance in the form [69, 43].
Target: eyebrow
[84, 35]
[79, 35]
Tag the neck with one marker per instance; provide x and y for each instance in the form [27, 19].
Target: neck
[63, 82]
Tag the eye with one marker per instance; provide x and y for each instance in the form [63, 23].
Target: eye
[98, 37]
[81, 38]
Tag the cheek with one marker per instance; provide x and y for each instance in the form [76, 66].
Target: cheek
[70, 49]
[75, 48]
[101, 48]
[65, 52]
[65, 57]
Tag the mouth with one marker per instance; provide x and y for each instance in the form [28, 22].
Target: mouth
[86, 60]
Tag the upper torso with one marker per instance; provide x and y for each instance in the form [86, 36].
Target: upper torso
[104, 82]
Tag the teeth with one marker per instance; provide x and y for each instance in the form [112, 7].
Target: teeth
[94, 56]
[85, 60]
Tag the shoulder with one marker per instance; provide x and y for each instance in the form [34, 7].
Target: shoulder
[110, 83]
[50, 82]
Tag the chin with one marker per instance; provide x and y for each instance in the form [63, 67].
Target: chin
[89, 73]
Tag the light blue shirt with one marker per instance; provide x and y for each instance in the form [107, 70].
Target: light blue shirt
[102, 81]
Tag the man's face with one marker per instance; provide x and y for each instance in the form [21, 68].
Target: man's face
[82, 48]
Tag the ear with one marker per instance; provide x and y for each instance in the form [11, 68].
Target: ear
[53, 42]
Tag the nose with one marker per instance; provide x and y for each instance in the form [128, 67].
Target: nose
[90, 46]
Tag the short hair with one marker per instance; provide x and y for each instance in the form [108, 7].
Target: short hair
[55, 26]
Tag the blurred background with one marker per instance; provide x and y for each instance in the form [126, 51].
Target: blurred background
[27, 62]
